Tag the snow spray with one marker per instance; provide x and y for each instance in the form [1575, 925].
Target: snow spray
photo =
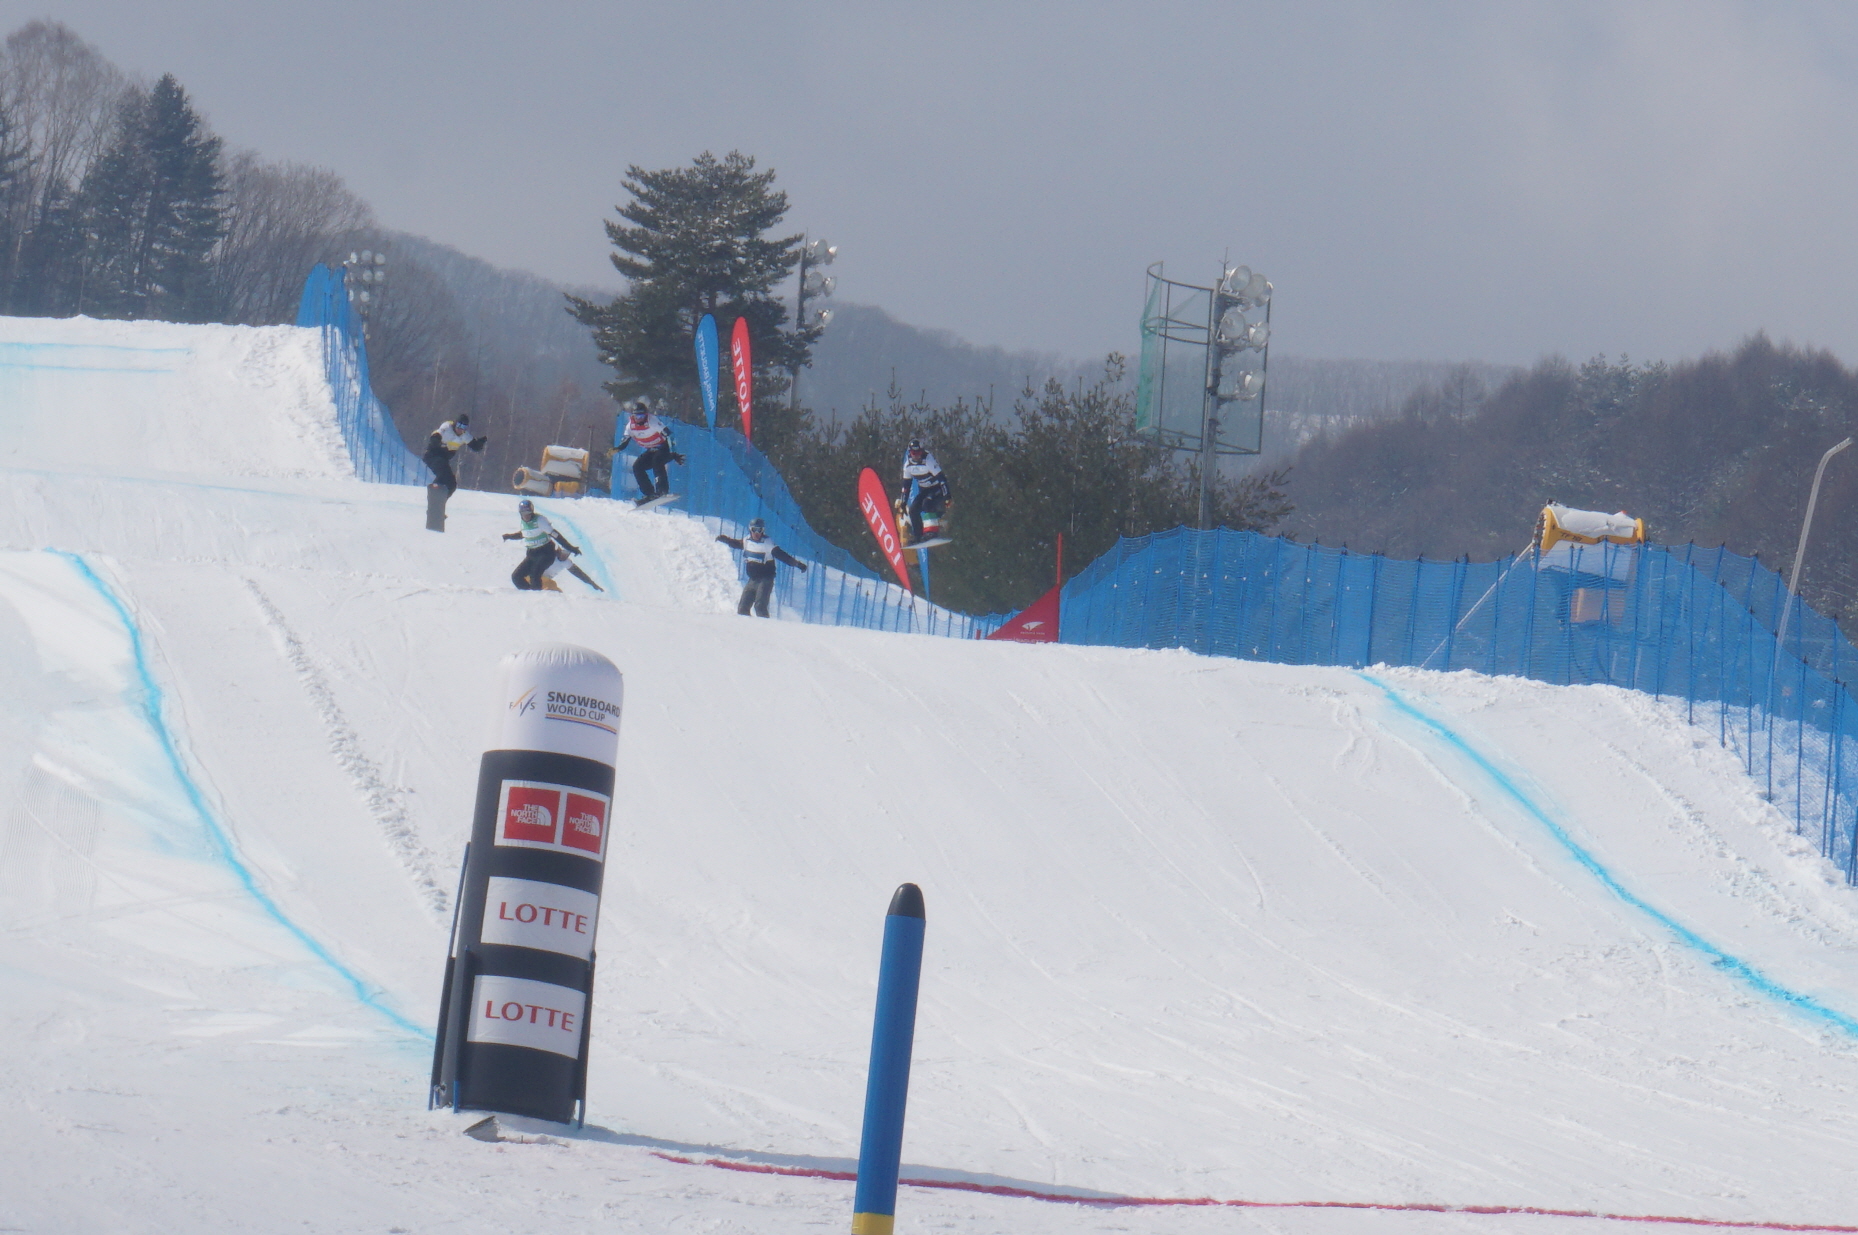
[513, 1016]
[880, 1149]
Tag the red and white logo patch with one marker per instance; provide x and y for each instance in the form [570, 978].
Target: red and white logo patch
[537, 815]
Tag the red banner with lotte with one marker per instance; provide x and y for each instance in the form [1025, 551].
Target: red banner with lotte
[875, 503]
[743, 366]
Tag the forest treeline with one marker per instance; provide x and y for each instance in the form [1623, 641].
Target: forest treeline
[1719, 450]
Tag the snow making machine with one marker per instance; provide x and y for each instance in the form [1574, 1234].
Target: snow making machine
[563, 473]
[1593, 556]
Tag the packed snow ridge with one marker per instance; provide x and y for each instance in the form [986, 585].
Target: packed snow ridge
[1196, 928]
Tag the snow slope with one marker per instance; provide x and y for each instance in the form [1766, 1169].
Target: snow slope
[1197, 928]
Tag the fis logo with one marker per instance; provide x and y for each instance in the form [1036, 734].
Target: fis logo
[525, 703]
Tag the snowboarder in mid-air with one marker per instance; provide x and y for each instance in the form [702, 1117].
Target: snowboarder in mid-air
[759, 554]
[925, 488]
[539, 539]
[660, 451]
[444, 442]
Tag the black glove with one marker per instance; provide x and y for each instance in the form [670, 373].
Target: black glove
[678, 459]
[802, 566]
[722, 540]
[477, 443]
[512, 536]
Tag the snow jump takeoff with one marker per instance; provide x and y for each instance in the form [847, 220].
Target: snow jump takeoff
[759, 554]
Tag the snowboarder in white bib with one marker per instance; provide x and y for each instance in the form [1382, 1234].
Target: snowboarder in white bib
[444, 442]
[660, 450]
[539, 539]
[759, 554]
[924, 486]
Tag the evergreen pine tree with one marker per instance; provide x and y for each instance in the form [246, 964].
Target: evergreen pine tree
[697, 243]
[151, 209]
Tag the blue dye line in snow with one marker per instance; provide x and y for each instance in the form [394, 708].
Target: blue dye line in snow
[221, 843]
[78, 368]
[90, 347]
[1735, 966]
[601, 574]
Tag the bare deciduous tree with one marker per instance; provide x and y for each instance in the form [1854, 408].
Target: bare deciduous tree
[285, 217]
[62, 97]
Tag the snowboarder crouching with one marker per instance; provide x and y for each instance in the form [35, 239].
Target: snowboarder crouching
[759, 554]
[660, 451]
[924, 486]
[444, 442]
[539, 538]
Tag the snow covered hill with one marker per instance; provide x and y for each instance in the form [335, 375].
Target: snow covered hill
[1197, 928]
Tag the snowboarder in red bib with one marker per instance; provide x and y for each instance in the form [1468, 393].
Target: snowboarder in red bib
[654, 438]
[759, 554]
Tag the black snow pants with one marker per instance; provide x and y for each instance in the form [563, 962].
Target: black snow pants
[440, 461]
[528, 576]
[932, 498]
[655, 460]
[755, 594]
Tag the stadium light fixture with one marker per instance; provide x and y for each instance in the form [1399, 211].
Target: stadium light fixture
[814, 284]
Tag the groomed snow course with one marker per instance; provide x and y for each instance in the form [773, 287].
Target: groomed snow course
[1197, 928]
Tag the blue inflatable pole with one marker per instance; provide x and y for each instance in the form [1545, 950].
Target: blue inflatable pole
[709, 362]
[880, 1151]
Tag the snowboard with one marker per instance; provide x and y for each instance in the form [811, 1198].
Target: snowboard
[657, 501]
[932, 542]
[436, 497]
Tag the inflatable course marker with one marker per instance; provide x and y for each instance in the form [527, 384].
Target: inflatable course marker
[887, 1088]
[513, 1019]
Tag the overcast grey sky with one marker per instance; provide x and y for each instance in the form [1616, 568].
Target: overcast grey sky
[1447, 181]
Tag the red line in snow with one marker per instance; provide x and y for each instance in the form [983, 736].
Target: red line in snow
[1112, 1202]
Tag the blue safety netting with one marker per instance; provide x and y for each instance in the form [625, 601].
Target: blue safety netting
[1700, 625]
[374, 444]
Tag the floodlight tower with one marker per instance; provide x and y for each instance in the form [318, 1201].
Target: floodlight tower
[364, 274]
[815, 284]
[1235, 362]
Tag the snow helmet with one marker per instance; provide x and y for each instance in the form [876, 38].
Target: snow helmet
[525, 508]
[464, 418]
[641, 404]
[757, 525]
